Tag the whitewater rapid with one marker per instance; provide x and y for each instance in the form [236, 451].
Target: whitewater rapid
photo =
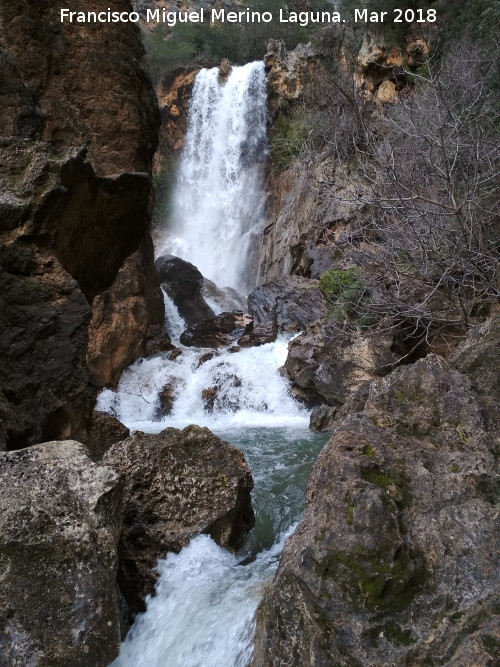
[203, 613]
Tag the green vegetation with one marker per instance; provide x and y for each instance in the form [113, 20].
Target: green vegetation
[344, 290]
[288, 135]
[168, 48]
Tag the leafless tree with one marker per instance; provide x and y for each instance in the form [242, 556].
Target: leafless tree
[426, 197]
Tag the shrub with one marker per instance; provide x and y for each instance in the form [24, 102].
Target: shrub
[344, 291]
[288, 135]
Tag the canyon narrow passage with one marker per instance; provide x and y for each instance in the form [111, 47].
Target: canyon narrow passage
[206, 598]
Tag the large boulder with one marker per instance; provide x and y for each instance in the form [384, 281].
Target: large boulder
[218, 331]
[178, 484]
[59, 529]
[292, 303]
[183, 283]
[397, 559]
[333, 363]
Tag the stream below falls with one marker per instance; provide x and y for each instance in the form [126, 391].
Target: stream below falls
[202, 614]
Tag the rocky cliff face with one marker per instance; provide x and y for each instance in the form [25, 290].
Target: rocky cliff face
[396, 559]
[78, 125]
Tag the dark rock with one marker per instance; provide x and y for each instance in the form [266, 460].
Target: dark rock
[221, 398]
[334, 363]
[322, 418]
[259, 334]
[306, 397]
[218, 331]
[178, 484]
[292, 303]
[43, 338]
[104, 431]
[183, 283]
[207, 356]
[226, 298]
[75, 202]
[59, 528]
[166, 399]
[397, 559]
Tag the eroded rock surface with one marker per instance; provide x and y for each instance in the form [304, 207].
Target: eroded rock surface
[218, 331]
[292, 303]
[75, 202]
[333, 363]
[396, 560]
[59, 529]
[178, 484]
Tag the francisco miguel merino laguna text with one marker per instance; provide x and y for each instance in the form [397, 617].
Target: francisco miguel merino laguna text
[171, 18]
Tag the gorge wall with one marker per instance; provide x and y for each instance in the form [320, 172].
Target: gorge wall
[79, 125]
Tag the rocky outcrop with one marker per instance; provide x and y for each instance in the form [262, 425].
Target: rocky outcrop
[127, 319]
[334, 364]
[75, 201]
[183, 283]
[103, 432]
[380, 70]
[178, 484]
[477, 357]
[219, 331]
[322, 418]
[396, 560]
[292, 303]
[59, 528]
[288, 72]
[259, 334]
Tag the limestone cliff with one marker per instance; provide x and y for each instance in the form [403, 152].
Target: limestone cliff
[396, 559]
[79, 128]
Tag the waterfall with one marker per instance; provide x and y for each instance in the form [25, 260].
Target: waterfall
[203, 612]
[218, 201]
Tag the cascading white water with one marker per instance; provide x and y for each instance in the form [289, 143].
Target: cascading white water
[203, 612]
[218, 201]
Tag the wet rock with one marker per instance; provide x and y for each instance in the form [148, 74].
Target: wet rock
[59, 527]
[127, 319]
[221, 397]
[218, 331]
[178, 484]
[206, 356]
[183, 283]
[259, 334]
[396, 560]
[104, 431]
[292, 303]
[166, 399]
[322, 418]
[227, 298]
[334, 364]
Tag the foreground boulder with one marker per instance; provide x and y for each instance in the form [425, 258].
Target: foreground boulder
[178, 484]
[328, 362]
[103, 432]
[397, 559]
[59, 529]
[292, 303]
[183, 283]
[218, 331]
